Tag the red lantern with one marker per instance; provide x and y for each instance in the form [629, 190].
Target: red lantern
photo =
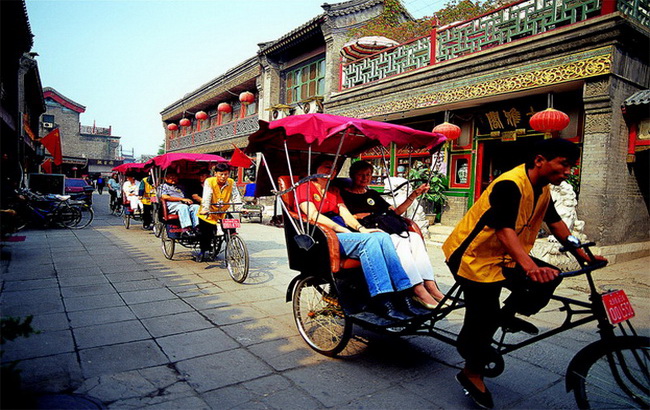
[172, 127]
[185, 122]
[247, 97]
[447, 129]
[549, 120]
[201, 115]
[224, 108]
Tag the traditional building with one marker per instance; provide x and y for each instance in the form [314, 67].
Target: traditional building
[21, 96]
[492, 73]
[294, 74]
[86, 149]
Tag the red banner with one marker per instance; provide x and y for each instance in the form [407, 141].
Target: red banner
[239, 159]
[52, 143]
[47, 166]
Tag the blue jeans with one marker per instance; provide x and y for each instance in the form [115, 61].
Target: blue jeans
[379, 260]
[188, 215]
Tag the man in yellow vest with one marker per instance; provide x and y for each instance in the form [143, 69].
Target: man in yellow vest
[148, 194]
[217, 189]
[488, 250]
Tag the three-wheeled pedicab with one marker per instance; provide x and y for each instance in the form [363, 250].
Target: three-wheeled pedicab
[138, 170]
[188, 166]
[329, 294]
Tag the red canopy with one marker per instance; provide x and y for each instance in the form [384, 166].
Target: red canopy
[128, 167]
[324, 131]
[164, 161]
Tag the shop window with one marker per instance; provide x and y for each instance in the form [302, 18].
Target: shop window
[305, 81]
[460, 170]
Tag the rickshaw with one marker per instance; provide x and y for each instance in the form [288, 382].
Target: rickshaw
[188, 165]
[137, 168]
[329, 294]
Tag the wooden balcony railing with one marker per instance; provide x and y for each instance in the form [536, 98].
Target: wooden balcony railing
[238, 128]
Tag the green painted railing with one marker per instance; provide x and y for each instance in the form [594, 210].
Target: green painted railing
[507, 24]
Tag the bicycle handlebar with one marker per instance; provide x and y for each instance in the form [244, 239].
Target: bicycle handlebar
[584, 269]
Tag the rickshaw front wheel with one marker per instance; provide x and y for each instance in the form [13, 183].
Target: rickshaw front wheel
[168, 244]
[319, 316]
[237, 259]
[126, 220]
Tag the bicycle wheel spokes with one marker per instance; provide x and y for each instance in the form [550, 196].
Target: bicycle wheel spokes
[320, 319]
[618, 379]
[86, 216]
[67, 216]
[237, 259]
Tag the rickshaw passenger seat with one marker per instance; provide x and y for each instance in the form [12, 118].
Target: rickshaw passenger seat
[167, 216]
[336, 261]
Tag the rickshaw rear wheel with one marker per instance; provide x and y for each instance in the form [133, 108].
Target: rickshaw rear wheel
[319, 316]
[237, 259]
[168, 244]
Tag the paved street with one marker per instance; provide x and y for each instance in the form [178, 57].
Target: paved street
[121, 324]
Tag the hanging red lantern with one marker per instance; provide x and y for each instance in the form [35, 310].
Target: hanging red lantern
[447, 129]
[172, 127]
[247, 97]
[224, 108]
[201, 115]
[549, 120]
[185, 122]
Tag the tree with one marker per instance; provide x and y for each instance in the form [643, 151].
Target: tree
[394, 24]
[161, 149]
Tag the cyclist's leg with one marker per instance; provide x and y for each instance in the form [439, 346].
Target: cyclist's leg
[481, 322]
[527, 297]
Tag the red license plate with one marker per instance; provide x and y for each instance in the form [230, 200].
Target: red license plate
[618, 306]
[230, 223]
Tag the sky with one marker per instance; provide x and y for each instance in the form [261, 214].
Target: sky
[126, 60]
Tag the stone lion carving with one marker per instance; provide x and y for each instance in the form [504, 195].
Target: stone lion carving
[548, 249]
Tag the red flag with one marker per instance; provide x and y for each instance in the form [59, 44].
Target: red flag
[52, 142]
[47, 166]
[239, 159]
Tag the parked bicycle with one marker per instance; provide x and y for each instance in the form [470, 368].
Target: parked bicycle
[45, 210]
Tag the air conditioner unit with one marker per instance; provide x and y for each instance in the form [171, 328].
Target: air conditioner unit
[311, 106]
[48, 125]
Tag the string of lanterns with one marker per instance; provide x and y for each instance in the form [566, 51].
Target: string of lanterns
[245, 98]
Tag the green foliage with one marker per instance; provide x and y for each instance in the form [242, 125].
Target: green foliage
[461, 10]
[161, 149]
[392, 23]
[438, 184]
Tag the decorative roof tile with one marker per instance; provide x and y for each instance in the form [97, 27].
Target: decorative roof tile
[638, 98]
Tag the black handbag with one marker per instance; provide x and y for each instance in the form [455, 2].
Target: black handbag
[388, 221]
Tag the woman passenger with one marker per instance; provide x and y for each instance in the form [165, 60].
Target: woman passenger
[410, 247]
[381, 267]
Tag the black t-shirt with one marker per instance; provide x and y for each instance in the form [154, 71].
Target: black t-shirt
[504, 206]
[371, 202]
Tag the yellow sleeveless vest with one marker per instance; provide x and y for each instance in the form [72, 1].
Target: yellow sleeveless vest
[149, 192]
[485, 256]
[218, 195]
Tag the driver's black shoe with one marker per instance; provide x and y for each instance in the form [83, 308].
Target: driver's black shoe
[483, 399]
[514, 324]
[387, 309]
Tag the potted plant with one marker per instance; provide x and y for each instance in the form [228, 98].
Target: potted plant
[435, 200]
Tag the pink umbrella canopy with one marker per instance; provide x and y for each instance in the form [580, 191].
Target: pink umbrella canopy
[324, 132]
[183, 160]
[130, 167]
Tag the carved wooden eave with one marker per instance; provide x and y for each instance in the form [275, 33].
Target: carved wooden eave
[220, 88]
